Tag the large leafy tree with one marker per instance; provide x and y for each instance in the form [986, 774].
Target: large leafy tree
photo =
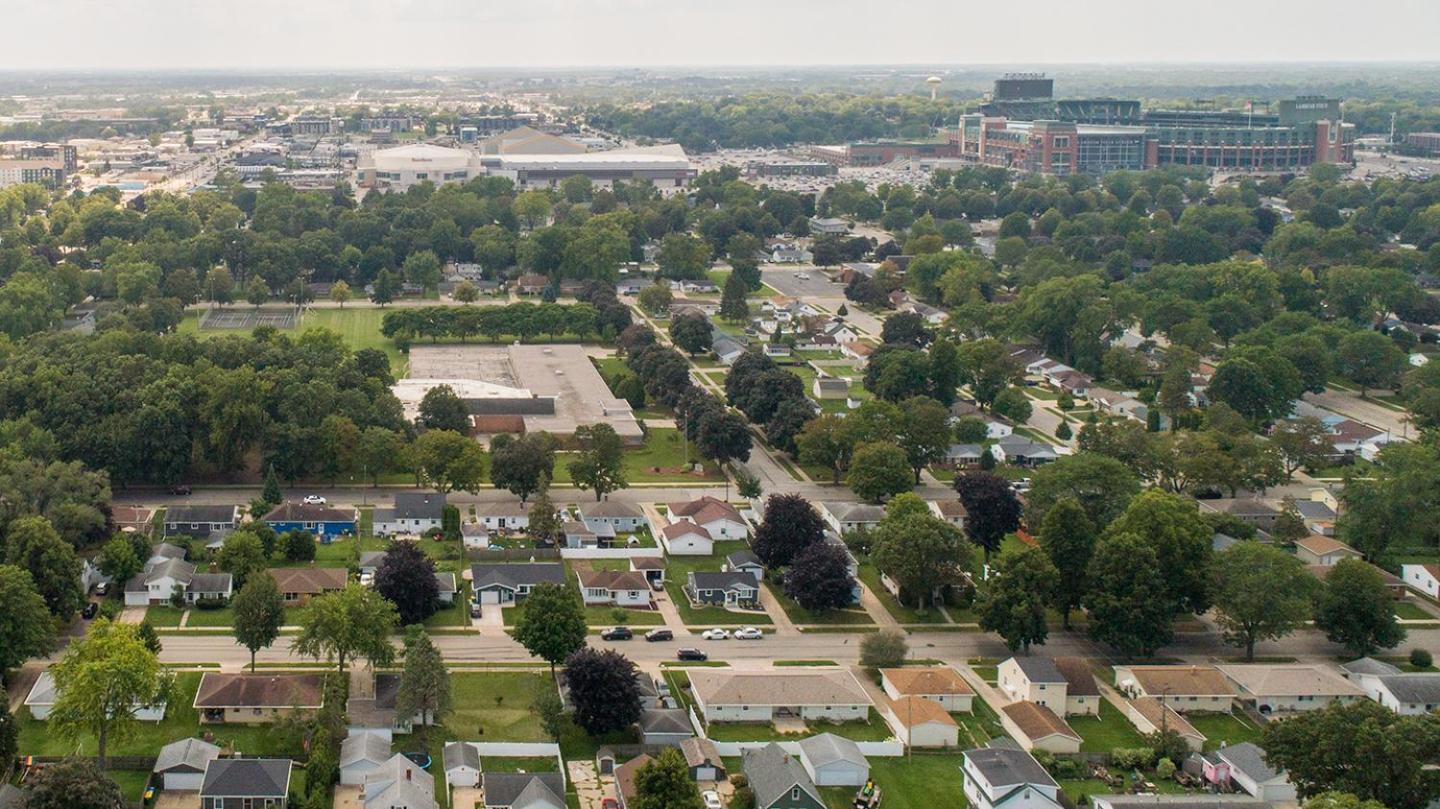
[443, 409]
[119, 561]
[923, 432]
[790, 526]
[1181, 539]
[242, 555]
[920, 551]
[346, 624]
[522, 465]
[1360, 748]
[26, 628]
[449, 461]
[552, 625]
[406, 576]
[664, 782]
[74, 783]
[879, 470]
[100, 682]
[1260, 593]
[1129, 604]
[424, 681]
[603, 689]
[1013, 601]
[819, 577]
[1102, 486]
[1068, 539]
[259, 611]
[1355, 609]
[599, 466]
[991, 508]
[691, 332]
[1393, 500]
[34, 545]
[824, 441]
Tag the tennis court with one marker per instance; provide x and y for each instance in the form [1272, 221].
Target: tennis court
[245, 319]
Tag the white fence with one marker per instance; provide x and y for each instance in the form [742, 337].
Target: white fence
[887, 749]
[608, 553]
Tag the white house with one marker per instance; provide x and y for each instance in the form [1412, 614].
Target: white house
[620, 588]
[621, 517]
[413, 513]
[1185, 688]
[1033, 679]
[834, 761]
[399, 783]
[1037, 727]
[719, 518]
[44, 693]
[474, 536]
[995, 776]
[846, 517]
[1288, 688]
[361, 752]
[462, 764]
[1321, 550]
[1409, 694]
[759, 696]
[181, 765]
[686, 539]
[510, 515]
[1366, 673]
[1249, 771]
[507, 584]
[940, 684]
[1422, 578]
[160, 581]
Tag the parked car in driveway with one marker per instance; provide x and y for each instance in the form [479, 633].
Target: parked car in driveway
[748, 633]
[659, 634]
[103, 588]
[715, 634]
[90, 610]
[688, 653]
[617, 633]
[712, 799]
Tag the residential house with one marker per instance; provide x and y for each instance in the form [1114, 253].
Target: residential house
[844, 517]
[827, 226]
[1249, 771]
[446, 587]
[652, 566]
[683, 538]
[857, 351]
[725, 348]
[462, 764]
[703, 759]
[1150, 715]
[1351, 439]
[665, 726]
[201, 521]
[256, 698]
[413, 513]
[745, 561]
[963, 456]
[790, 254]
[541, 790]
[1366, 673]
[625, 778]
[685, 306]
[1082, 693]
[620, 588]
[580, 535]
[361, 752]
[921, 722]
[399, 783]
[1423, 579]
[1409, 694]
[1393, 583]
[1287, 688]
[833, 761]
[246, 783]
[132, 519]
[509, 584]
[1245, 509]
[1185, 688]
[322, 521]
[474, 536]
[950, 510]
[1036, 727]
[932, 315]
[506, 515]
[995, 776]
[160, 582]
[722, 589]
[719, 518]
[830, 387]
[372, 706]
[162, 552]
[778, 780]
[619, 516]
[1319, 516]
[1033, 679]
[43, 695]
[180, 766]
[531, 283]
[1320, 550]
[762, 696]
[300, 584]
[941, 684]
[1021, 451]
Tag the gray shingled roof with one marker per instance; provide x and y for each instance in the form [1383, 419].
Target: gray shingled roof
[506, 788]
[420, 505]
[247, 778]
[722, 580]
[739, 558]
[461, 754]
[665, 720]
[1369, 665]
[183, 515]
[186, 755]
[773, 772]
[827, 748]
[1249, 758]
[1005, 766]
[1040, 669]
[364, 746]
[210, 582]
[1419, 687]
[513, 576]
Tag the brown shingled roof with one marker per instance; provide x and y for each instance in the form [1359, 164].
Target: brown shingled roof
[260, 690]
[913, 711]
[1080, 680]
[1182, 681]
[1037, 721]
[927, 680]
[309, 580]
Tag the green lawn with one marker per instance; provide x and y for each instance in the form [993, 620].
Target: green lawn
[457, 614]
[1221, 728]
[494, 706]
[874, 730]
[919, 781]
[518, 764]
[224, 617]
[163, 617]
[1103, 733]
[1411, 612]
[664, 448]
[359, 328]
[597, 616]
[676, 568]
[800, 615]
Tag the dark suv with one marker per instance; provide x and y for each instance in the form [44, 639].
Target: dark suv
[688, 653]
[617, 633]
[659, 634]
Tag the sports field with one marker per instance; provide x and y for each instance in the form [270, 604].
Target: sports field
[359, 328]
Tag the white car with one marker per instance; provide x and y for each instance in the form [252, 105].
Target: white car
[314, 500]
[803, 276]
[712, 799]
[715, 634]
[748, 633]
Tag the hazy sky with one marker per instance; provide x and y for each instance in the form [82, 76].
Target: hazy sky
[486, 33]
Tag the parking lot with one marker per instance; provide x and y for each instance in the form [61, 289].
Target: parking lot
[787, 280]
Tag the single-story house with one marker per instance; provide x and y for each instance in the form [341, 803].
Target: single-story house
[844, 518]
[413, 513]
[372, 706]
[1409, 694]
[963, 456]
[201, 521]
[299, 584]
[857, 351]
[519, 790]
[322, 521]
[1021, 451]
[833, 761]
[399, 783]
[652, 566]
[1423, 579]
[995, 776]
[132, 519]
[621, 517]
[507, 515]
[1285, 688]
[246, 783]
[1248, 771]
[745, 562]
[686, 539]
[1366, 673]
[951, 511]
[665, 726]
[778, 780]
[761, 696]
[1246, 509]
[580, 535]
[508, 584]
[941, 684]
[719, 518]
[830, 387]
[462, 764]
[722, 588]
[1036, 727]
[622, 588]
[181, 765]
[361, 752]
[1185, 688]
[256, 698]
[1321, 550]
[370, 561]
[703, 759]
[446, 587]
[43, 694]
[1393, 583]
[165, 551]
[159, 583]
[1149, 715]
[921, 722]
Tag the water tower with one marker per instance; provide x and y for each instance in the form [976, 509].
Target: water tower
[934, 82]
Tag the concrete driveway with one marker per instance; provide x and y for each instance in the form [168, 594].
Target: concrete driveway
[180, 800]
[466, 798]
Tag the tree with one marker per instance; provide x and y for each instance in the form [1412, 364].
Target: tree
[443, 409]
[987, 367]
[340, 293]
[424, 682]
[1103, 487]
[791, 525]
[1289, 526]
[256, 291]
[522, 465]
[298, 546]
[547, 704]
[1068, 539]
[9, 732]
[466, 292]
[883, 650]
[100, 682]
[1360, 748]
[259, 611]
[683, 257]
[449, 461]
[945, 370]
[819, 577]
[923, 432]
[656, 298]
[906, 327]
[1181, 538]
[1012, 603]
[732, 299]
[991, 509]
[664, 783]
[73, 783]
[1261, 593]
[349, 623]
[1129, 605]
[33, 545]
[423, 269]
[1304, 442]
[26, 627]
[1355, 609]
[878, 471]
[219, 285]
[921, 552]
[406, 576]
[385, 288]
[603, 690]
[552, 625]
[241, 555]
[599, 465]
[691, 332]
[271, 493]
[1010, 403]
[824, 441]
[545, 525]
[1341, 800]
[1370, 360]
[148, 636]
[118, 561]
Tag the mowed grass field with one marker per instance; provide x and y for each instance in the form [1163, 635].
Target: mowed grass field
[359, 328]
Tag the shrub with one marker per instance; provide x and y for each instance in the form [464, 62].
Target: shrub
[883, 650]
[1131, 758]
[1421, 658]
[211, 603]
[1165, 769]
[110, 609]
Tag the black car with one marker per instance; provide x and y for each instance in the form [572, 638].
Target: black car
[659, 634]
[617, 633]
[180, 489]
[90, 610]
[688, 653]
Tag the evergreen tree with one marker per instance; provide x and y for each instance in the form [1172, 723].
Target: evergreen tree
[732, 299]
[424, 682]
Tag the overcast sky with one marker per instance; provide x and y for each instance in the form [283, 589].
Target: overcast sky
[487, 33]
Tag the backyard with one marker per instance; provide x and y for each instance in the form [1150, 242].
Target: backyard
[1103, 733]
[919, 781]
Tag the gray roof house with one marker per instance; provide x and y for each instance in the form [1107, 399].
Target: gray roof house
[506, 584]
[665, 726]
[621, 517]
[994, 775]
[745, 562]
[834, 761]
[399, 783]
[1251, 773]
[541, 790]
[413, 513]
[181, 764]
[361, 752]
[779, 780]
[846, 517]
[728, 588]
[243, 783]
[201, 521]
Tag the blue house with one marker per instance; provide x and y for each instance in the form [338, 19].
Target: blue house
[324, 522]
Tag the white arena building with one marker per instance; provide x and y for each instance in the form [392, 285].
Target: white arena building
[404, 166]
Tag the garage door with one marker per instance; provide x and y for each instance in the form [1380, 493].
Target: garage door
[184, 781]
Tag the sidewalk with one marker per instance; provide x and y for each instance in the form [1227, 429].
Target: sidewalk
[876, 610]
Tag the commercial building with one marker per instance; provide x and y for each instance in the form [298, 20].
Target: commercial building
[1424, 142]
[67, 154]
[665, 167]
[49, 173]
[404, 166]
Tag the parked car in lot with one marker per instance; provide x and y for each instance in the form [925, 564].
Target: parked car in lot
[314, 500]
[748, 633]
[691, 654]
[617, 633]
[803, 276]
[715, 634]
[659, 635]
[90, 610]
[180, 489]
[712, 799]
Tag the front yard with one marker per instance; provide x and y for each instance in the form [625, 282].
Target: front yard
[850, 616]
[676, 568]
